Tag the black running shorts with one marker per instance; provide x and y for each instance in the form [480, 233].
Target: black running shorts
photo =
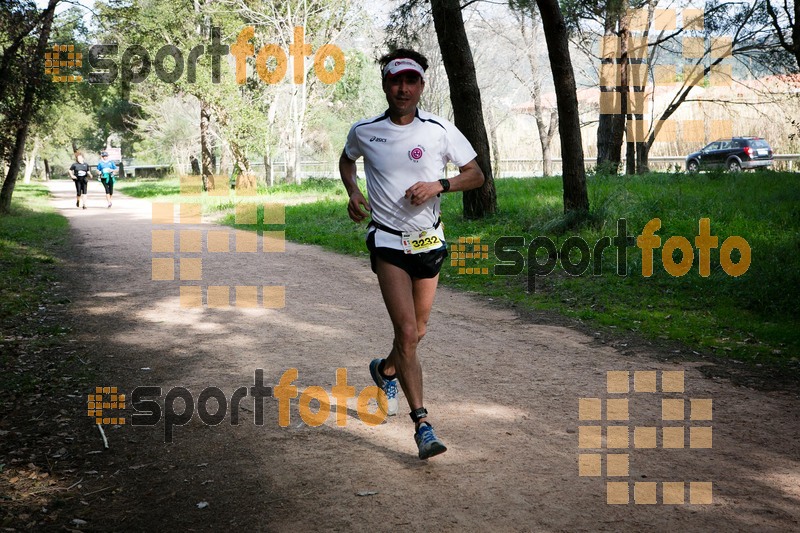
[419, 266]
[80, 186]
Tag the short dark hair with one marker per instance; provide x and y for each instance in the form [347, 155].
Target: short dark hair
[403, 53]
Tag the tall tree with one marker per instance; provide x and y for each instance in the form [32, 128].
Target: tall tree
[529, 23]
[301, 27]
[206, 160]
[786, 22]
[34, 88]
[196, 29]
[611, 123]
[465, 97]
[731, 30]
[556, 35]
[641, 48]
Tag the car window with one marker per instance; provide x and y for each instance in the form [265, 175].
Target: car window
[712, 146]
[759, 144]
[724, 145]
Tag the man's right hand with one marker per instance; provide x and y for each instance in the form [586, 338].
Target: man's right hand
[355, 205]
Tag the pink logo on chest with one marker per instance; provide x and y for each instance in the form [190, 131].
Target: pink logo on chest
[416, 153]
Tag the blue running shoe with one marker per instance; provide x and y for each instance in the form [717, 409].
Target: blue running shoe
[427, 442]
[387, 386]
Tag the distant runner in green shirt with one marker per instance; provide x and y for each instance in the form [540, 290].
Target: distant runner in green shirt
[108, 171]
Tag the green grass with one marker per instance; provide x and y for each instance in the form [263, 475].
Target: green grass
[169, 190]
[30, 238]
[751, 318]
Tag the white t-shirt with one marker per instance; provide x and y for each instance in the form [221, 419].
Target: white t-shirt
[396, 157]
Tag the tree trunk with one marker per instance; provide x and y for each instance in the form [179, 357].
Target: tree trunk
[630, 145]
[465, 97]
[205, 150]
[290, 166]
[620, 127]
[267, 170]
[611, 126]
[642, 158]
[29, 103]
[569, 124]
[46, 169]
[11, 48]
[547, 144]
[630, 158]
[298, 114]
[495, 144]
[546, 131]
[639, 87]
[223, 170]
[30, 162]
[245, 179]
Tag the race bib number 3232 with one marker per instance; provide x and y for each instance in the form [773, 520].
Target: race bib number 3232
[416, 242]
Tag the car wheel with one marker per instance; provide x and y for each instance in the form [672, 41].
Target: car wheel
[692, 167]
[734, 166]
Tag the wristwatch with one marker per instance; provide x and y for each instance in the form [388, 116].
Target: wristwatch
[445, 184]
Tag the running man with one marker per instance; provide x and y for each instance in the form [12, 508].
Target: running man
[79, 172]
[405, 151]
[107, 170]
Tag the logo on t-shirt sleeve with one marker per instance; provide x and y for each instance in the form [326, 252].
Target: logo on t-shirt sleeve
[416, 153]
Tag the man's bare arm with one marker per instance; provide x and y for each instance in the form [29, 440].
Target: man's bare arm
[470, 177]
[357, 207]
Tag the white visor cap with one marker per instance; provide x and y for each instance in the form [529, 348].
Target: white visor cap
[396, 66]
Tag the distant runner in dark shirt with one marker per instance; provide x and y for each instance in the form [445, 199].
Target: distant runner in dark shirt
[79, 172]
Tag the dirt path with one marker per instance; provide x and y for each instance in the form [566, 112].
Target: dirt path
[504, 392]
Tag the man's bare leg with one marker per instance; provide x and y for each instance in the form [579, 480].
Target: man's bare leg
[409, 304]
